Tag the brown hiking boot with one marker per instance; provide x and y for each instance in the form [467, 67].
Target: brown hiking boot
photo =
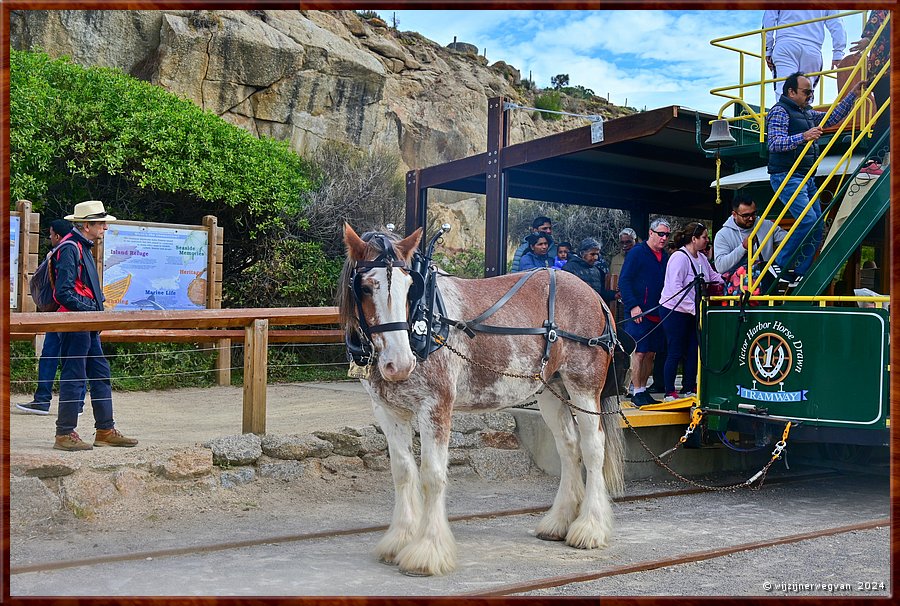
[71, 441]
[112, 437]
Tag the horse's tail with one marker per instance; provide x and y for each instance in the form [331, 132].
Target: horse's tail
[614, 455]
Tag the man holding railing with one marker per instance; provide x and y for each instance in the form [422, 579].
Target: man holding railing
[790, 124]
[799, 48]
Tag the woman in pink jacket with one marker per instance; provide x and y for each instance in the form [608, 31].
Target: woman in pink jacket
[679, 306]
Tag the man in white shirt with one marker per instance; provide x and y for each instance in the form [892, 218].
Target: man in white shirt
[799, 48]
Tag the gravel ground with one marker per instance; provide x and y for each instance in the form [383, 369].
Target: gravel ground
[493, 552]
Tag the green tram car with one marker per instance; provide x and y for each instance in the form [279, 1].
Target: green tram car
[818, 357]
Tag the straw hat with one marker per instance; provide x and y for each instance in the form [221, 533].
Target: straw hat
[90, 211]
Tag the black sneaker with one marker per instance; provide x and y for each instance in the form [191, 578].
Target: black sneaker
[775, 271]
[35, 408]
[643, 398]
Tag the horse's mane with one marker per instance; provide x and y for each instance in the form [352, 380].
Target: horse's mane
[344, 298]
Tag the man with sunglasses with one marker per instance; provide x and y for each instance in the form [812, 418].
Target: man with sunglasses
[732, 241]
[790, 124]
[640, 286]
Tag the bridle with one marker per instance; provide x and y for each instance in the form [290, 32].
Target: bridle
[359, 343]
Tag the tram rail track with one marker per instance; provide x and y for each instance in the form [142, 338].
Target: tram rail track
[327, 534]
[644, 566]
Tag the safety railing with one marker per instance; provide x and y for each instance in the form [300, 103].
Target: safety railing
[843, 166]
[194, 326]
[753, 119]
[858, 121]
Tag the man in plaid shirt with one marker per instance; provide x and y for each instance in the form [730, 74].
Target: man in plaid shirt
[789, 125]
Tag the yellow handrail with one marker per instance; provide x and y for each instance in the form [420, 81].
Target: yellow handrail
[861, 101]
[857, 113]
[759, 117]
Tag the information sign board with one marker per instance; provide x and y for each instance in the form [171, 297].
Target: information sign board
[148, 267]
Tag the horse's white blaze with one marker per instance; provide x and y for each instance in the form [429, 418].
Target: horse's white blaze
[395, 358]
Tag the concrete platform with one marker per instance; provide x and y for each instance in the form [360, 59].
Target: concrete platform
[659, 430]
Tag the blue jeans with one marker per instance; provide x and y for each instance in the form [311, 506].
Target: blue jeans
[82, 358]
[47, 366]
[808, 223]
[681, 341]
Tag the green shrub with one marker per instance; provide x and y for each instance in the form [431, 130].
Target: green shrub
[294, 274]
[73, 129]
[549, 100]
[578, 92]
[465, 263]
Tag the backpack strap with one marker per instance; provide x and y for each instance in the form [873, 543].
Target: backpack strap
[55, 253]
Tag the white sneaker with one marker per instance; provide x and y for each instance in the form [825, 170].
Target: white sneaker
[689, 394]
[669, 399]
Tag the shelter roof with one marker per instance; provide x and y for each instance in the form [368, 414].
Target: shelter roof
[648, 160]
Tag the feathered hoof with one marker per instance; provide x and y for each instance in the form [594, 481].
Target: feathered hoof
[553, 526]
[427, 558]
[391, 544]
[588, 535]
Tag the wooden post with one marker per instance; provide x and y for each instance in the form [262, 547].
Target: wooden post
[98, 250]
[496, 194]
[256, 345]
[214, 294]
[416, 204]
[223, 362]
[29, 239]
[210, 223]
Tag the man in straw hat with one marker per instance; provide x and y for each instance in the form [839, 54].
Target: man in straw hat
[77, 287]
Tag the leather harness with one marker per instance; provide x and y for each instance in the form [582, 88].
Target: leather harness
[427, 315]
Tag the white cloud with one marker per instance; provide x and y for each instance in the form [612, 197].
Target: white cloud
[652, 58]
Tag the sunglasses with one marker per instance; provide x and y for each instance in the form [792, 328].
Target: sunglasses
[661, 234]
[807, 91]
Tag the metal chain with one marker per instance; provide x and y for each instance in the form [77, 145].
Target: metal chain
[442, 341]
[658, 459]
[760, 475]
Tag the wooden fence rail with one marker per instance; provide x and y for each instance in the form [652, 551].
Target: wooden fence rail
[195, 326]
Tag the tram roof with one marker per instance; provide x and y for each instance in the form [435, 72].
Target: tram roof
[646, 161]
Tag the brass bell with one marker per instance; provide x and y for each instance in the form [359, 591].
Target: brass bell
[720, 134]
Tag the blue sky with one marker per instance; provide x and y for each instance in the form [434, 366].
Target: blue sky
[649, 58]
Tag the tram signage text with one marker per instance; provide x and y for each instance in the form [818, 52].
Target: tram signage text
[771, 352]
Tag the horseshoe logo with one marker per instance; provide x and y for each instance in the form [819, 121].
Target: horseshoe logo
[771, 358]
